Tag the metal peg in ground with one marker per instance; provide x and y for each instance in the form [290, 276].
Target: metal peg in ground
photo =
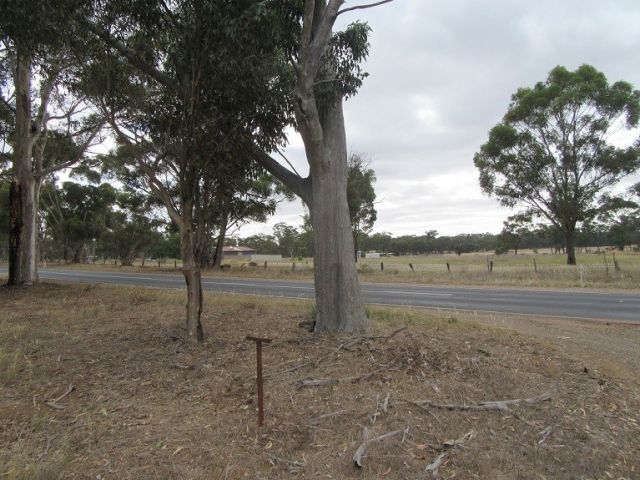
[259, 341]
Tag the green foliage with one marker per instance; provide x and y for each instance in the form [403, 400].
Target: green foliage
[288, 239]
[361, 195]
[341, 74]
[84, 219]
[192, 87]
[551, 153]
[77, 215]
[131, 229]
[38, 25]
[168, 246]
[262, 244]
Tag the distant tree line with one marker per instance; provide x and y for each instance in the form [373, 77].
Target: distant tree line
[622, 233]
[94, 221]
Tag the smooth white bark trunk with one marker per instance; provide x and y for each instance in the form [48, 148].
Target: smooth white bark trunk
[22, 256]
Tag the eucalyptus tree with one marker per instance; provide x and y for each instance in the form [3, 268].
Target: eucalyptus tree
[227, 203]
[298, 66]
[327, 70]
[361, 198]
[35, 48]
[77, 215]
[190, 88]
[133, 227]
[552, 153]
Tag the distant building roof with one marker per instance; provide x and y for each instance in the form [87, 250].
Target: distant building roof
[237, 249]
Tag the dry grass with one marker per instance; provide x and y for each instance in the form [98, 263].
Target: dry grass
[148, 404]
[595, 270]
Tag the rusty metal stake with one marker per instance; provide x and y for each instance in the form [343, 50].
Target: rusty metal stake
[259, 341]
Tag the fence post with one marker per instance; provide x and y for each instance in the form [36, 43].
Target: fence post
[175, 264]
[411, 267]
[615, 263]
[535, 265]
[491, 266]
[448, 267]
[382, 266]
[158, 263]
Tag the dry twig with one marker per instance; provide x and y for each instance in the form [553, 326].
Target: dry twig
[329, 415]
[54, 403]
[357, 457]
[501, 405]
[447, 446]
[317, 382]
[343, 346]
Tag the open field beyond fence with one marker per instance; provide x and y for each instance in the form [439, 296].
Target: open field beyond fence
[594, 270]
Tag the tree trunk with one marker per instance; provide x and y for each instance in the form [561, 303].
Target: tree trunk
[191, 272]
[338, 298]
[23, 232]
[217, 256]
[570, 247]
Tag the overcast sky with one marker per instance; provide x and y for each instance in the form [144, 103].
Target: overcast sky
[441, 75]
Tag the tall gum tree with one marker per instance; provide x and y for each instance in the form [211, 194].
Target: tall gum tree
[33, 34]
[552, 153]
[323, 79]
[190, 89]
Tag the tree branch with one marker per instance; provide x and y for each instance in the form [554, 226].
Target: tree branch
[133, 58]
[361, 7]
[8, 105]
[78, 156]
[300, 186]
[158, 189]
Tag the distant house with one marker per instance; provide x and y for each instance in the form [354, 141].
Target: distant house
[237, 252]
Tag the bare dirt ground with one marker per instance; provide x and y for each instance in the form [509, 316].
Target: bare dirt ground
[148, 404]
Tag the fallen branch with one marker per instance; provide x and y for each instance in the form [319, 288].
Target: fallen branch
[368, 375]
[329, 415]
[54, 403]
[273, 459]
[357, 457]
[388, 337]
[46, 449]
[343, 346]
[316, 382]
[183, 367]
[419, 405]
[501, 405]
[447, 447]
[385, 404]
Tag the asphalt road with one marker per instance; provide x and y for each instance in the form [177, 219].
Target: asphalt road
[617, 306]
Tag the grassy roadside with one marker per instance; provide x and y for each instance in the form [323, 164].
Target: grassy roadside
[147, 404]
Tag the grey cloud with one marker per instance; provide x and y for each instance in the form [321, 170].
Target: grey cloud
[442, 74]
